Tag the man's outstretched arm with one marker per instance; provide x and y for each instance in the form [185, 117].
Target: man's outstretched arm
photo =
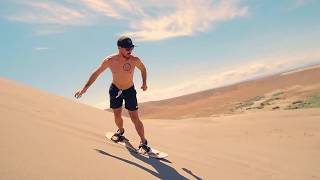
[104, 65]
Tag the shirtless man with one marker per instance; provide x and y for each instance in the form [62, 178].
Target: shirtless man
[122, 88]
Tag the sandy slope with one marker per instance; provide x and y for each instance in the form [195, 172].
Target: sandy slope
[296, 85]
[47, 137]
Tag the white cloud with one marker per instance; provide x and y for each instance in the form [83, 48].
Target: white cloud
[49, 13]
[47, 30]
[104, 7]
[187, 18]
[119, 9]
[147, 20]
[41, 48]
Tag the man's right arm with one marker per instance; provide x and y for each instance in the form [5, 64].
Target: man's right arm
[104, 65]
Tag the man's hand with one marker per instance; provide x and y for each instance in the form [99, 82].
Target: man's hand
[79, 93]
[144, 87]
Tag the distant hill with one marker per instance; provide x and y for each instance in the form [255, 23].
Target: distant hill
[291, 86]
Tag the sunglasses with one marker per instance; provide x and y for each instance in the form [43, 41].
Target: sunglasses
[129, 49]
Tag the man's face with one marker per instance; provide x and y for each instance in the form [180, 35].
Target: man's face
[125, 52]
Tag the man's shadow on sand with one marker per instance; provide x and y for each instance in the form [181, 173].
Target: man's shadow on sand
[163, 171]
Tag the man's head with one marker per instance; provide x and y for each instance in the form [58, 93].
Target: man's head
[125, 46]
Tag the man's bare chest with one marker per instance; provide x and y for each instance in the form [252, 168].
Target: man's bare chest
[122, 67]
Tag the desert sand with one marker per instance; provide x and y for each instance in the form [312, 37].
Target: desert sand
[276, 92]
[44, 136]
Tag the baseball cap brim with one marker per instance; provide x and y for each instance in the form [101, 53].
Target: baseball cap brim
[127, 46]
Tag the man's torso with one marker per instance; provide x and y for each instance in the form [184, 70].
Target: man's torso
[122, 70]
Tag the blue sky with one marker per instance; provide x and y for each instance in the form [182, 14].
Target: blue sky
[187, 46]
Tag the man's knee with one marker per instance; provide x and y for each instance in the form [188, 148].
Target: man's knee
[117, 113]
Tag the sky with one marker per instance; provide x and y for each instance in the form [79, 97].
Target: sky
[187, 46]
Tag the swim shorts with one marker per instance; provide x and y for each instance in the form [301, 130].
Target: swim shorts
[117, 96]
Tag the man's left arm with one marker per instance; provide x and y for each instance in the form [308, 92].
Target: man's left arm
[143, 70]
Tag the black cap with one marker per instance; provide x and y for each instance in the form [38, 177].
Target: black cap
[125, 42]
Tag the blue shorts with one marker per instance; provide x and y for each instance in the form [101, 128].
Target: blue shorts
[118, 95]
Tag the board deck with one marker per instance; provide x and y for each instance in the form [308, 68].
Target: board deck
[154, 153]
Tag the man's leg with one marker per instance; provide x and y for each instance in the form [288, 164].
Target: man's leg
[118, 118]
[138, 124]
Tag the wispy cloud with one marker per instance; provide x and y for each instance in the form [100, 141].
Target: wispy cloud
[186, 18]
[118, 9]
[106, 8]
[49, 13]
[49, 29]
[147, 21]
[41, 48]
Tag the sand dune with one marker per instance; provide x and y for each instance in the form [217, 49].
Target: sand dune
[294, 85]
[48, 137]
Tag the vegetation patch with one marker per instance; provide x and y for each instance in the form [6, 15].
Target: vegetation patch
[277, 94]
[249, 102]
[311, 102]
[269, 101]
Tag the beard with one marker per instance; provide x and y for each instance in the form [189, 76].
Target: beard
[126, 55]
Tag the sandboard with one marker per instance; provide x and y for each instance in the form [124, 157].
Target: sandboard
[154, 153]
